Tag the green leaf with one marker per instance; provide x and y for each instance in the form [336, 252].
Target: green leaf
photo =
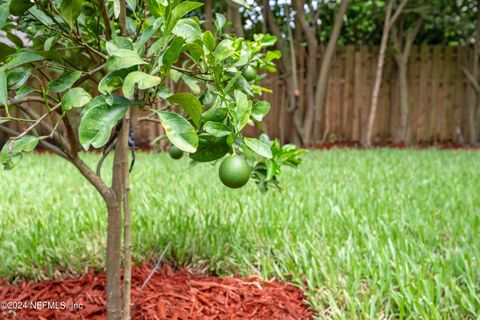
[192, 83]
[75, 98]
[12, 151]
[98, 120]
[242, 109]
[260, 110]
[243, 3]
[19, 7]
[216, 129]
[71, 9]
[17, 77]
[188, 29]
[173, 52]
[156, 8]
[149, 32]
[259, 147]
[164, 92]
[142, 79]
[5, 51]
[132, 4]
[178, 12]
[4, 14]
[15, 39]
[112, 81]
[23, 91]
[210, 148]
[23, 57]
[48, 43]
[190, 104]
[65, 81]
[3, 87]
[220, 21]
[223, 50]
[209, 41]
[124, 58]
[179, 131]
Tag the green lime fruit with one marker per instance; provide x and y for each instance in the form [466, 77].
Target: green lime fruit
[234, 172]
[249, 73]
[175, 152]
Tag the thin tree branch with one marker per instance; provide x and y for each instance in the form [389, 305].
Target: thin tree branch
[106, 19]
[397, 13]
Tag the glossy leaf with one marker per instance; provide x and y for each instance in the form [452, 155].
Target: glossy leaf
[23, 57]
[142, 79]
[75, 98]
[98, 120]
[210, 148]
[216, 129]
[65, 81]
[260, 110]
[242, 110]
[112, 81]
[124, 58]
[3, 87]
[179, 131]
[259, 147]
[17, 77]
[19, 7]
[190, 104]
[188, 29]
[173, 52]
[12, 151]
[71, 9]
[178, 12]
[209, 40]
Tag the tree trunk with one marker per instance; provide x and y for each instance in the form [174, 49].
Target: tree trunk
[321, 91]
[236, 18]
[127, 246]
[402, 135]
[387, 26]
[476, 75]
[208, 15]
[114, 236]
[378, 74]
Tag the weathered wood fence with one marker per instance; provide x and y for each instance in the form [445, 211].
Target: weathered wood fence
[438, 88]
[439, 97]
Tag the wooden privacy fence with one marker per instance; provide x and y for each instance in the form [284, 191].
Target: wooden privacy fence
[439, 97]
[438, 90]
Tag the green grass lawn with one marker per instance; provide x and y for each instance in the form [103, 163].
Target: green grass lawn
[372, 234]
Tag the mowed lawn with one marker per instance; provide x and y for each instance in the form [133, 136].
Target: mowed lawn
[371, 234]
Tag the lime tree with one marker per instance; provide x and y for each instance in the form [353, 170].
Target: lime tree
[88, 68]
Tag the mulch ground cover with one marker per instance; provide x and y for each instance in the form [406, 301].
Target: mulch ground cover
[167, 295]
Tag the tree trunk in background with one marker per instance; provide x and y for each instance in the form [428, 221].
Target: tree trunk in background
[311, 72]
[286, 68]
[476, 75]
[402, 56]
[402, 135]
[387, 26]
[208, 15]
[378, 74]
[236, 18]
[322, 84]
[316, 87]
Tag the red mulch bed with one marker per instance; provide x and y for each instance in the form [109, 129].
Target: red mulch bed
[168, 295]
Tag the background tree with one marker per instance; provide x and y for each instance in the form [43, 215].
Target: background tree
[105, 61]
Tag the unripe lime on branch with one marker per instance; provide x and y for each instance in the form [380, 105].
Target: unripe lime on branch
[249, 73]
[234, 172]
[175, 152]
